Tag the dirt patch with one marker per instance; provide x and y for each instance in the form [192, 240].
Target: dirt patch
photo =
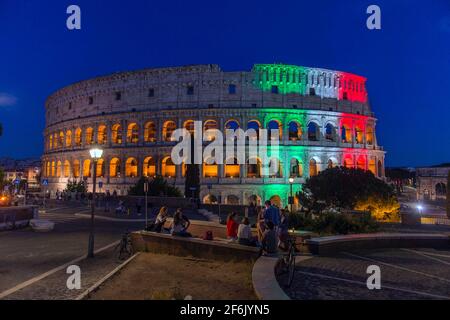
[156, 276]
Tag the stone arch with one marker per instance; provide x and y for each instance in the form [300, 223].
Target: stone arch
[78, 135]
[348, 161]
[380, 169]
[149, 167]
[254, 168]
[232, 124]
[115, 168]
[89, 135]
[212, 125]
[296, 168]
[276, 201]
[210, 199]
[100, 170]
[169, 127]
[210, 170]
[313, 131]
[116, 133]
[295, 130]
[68, 138]
[274, 124]
[313, 167]
[66, 171]
[150, 131]
[330, 132]
[168, 168]
[76, 168]
[232, 199]
[101, 134]
[133, 133]
[232, 168]
[361, 162]
[86, 168]
[131, 167]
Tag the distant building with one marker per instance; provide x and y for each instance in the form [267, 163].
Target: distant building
[432, 182]
[28, 169]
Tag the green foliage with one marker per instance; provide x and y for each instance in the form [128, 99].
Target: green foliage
[76, 186]
[157, 186]
[2, 180]
[329, 223]
[346, 188]
[448, 195]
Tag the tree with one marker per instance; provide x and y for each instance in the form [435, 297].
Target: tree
[157, 187]
[448, 194]
[75, 186]
[353, 189]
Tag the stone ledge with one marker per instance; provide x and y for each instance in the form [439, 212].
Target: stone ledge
[264, 280]
[334, 244]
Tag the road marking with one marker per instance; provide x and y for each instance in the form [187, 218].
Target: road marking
[382, 286]
[79, 214]
[426, 255]
[52, 271]
[397, 267]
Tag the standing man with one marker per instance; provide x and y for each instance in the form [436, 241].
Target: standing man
[272, 214]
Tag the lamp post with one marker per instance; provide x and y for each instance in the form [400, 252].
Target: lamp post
[96, 154]
[146, 202]
[291, 199]
[419, 208]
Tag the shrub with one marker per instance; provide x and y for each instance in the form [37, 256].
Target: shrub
[157, 186]
[76, 186]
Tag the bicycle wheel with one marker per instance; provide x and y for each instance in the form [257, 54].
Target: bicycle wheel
[291, 268]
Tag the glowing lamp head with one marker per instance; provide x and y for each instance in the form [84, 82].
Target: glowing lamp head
[291, 180]
[419, 207]
[96, 153]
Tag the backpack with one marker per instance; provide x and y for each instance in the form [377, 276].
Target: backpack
[208, 235]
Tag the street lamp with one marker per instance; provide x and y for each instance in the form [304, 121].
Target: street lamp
[96, 154]
[419, 208]
[291, 199]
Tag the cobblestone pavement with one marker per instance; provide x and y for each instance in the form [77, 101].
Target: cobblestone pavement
[25, 254]
[405, 274]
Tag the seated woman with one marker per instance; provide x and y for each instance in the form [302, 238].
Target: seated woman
[179, 225]
[232, 226]
[160, 220]
[244, 233]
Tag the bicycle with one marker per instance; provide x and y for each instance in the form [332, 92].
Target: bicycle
[289, 259]
[124, 249]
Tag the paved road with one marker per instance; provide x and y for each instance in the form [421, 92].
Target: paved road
[25, 254]
[405, 274]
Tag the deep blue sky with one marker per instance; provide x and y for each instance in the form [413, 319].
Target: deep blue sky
[407, 63]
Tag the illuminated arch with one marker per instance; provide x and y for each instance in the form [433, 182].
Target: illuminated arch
[101, 134]
[232, 168]
[58, 169]
[114, 168]
[76, 168]
[331, 163]
[100, 168]
[232, 199]
[254, 168]
[369, 135]
[69, 138]
[358, 135]
[380, 169]
[168, 128]
[440, 189]
[50, 141]
[313, 131]
[87, 168]
[210, 199]
[295, 131]
[348, 162]
[133, 133]
[89, 135]
[53, 169]
[209, 125]
[296, 168]
[210, 170]
[274, 125]
[48, 172]
[149, 167]
[189, 126]
[276, 201]
[168, 168]
[61, 139]
[254, 125]
[361, 163]
[373, 166]
[78, 135]
[55, 141]
[150, 132]
[313, 168]
[131, 167]
[279, 172]
[346, 134]
[66, 169]
[231, 124]
[116, 133]
[330, 132]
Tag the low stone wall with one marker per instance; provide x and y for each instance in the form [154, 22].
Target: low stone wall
[334, 244]
[173, 202]
[195, 247]
[16, 217]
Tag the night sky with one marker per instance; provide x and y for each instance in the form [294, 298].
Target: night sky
[407, 62]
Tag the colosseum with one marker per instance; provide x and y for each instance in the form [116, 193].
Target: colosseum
[323, 117]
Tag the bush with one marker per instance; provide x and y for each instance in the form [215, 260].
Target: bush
[157, 186]
[75, 186]
[333, 223]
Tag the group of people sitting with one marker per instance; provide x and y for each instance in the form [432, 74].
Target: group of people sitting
[271, 226]
[178, 227]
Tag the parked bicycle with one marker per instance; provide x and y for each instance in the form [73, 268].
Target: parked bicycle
[124, 249]
[289, 259]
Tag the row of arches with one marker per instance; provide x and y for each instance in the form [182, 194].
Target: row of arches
[130, 167]
[295, 132]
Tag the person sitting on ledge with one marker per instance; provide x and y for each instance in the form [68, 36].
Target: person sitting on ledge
[232, 226]
[269, 241]
[160, 219]
[244, 233]
[179, 225]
